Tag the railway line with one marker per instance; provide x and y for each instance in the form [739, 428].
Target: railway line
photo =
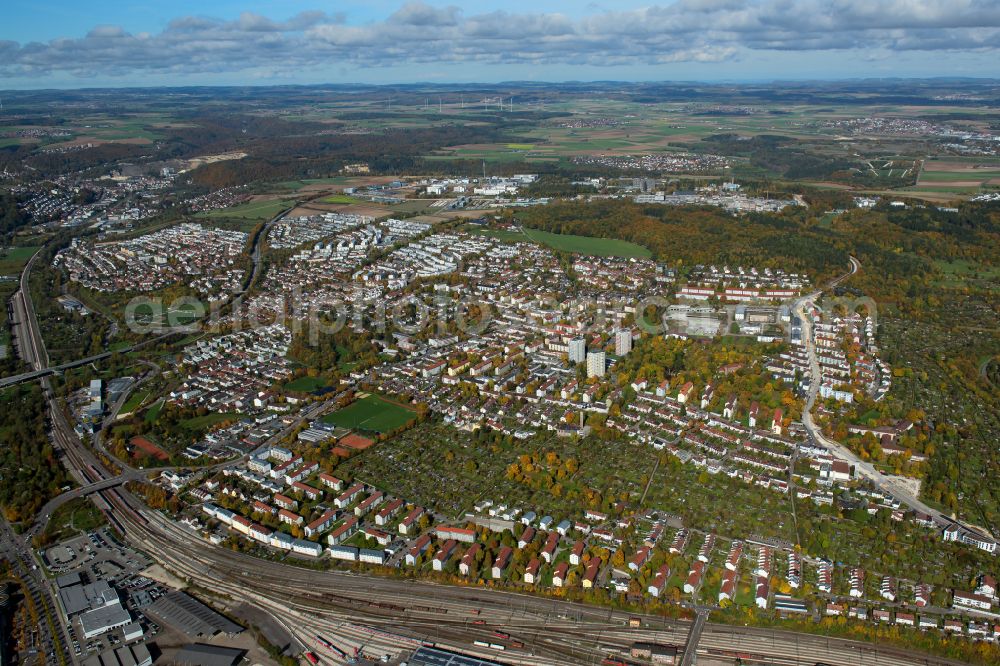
[552, 631]
[380, 615]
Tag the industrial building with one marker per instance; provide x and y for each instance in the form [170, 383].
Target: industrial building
[104, 619]
[432, 656]
[129, 655]
[77, 598]
[98, 605]
[200, 654]
[184, 612]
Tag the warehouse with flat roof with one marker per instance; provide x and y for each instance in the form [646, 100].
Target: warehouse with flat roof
[76, 598]
[184, 612]
[200, 654]
[104, 619]
[129, 655]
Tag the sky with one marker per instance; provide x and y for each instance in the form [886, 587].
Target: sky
[109, 43]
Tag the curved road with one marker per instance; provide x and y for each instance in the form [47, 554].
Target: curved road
[864, 469]
[346, 605]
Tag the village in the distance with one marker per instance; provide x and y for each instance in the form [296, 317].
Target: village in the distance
[584, 374]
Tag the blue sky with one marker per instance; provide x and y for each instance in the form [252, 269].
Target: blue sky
[80, 43]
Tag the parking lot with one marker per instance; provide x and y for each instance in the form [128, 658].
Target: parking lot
[101, 556]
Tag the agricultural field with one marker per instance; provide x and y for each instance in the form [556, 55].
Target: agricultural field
[135, 129]
[371, 414]
[613, 127]
[602, 247]
[411, 206]
[958, 176]
[310, 185]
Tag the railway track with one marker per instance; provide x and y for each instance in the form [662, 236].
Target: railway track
[391, 614]
[330, 599]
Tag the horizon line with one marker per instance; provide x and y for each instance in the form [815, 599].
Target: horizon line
[528, 83]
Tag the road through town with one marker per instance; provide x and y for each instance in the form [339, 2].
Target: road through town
[864, 469]
[389, 612]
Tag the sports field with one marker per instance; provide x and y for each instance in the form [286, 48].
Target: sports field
[371, 413]
[340, 198]
[148, 314]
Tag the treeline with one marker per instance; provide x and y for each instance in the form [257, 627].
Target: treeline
[90, 161]
[331, 354]
[690, 236]
[897, 248]
[174, 428]
[10, 364]
[30, 473]
[67, 335]
[556, 186]
[311, 155]
[779, 155]
[11, 217]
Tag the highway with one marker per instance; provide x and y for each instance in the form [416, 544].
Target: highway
[29, 341]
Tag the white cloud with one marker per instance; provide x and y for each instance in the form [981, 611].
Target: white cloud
[695, 31]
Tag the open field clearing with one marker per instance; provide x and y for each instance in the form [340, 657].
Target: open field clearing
[13, 259]
[339, 198]
[306, 384]
[253, 210]
[134, 402]
[372, 210]
[958, 176]
[196, 162]
[332, 184]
